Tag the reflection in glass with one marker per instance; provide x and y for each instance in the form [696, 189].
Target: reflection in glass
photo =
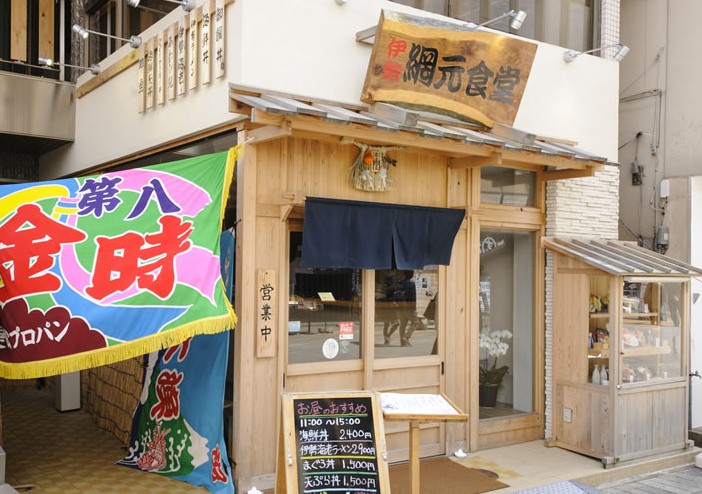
[324, 311]
[651, 333]
[506, 322]
[507, 186]
[405, 307]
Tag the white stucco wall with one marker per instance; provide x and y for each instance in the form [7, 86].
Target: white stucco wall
[308, 48]
[696, 288]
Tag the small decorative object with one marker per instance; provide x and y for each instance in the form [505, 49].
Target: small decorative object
[595, 303]
[596, 377]
[604, 376]
[370, 169]
[492, 376]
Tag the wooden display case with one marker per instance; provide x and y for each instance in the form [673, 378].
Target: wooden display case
[636, 326]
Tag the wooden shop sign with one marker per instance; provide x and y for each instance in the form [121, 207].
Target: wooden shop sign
[476, 76]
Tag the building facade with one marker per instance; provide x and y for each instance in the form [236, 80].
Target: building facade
[497, 278]
[659, 151]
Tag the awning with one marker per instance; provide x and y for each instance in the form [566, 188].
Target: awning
[275, 115]
[621, 258]
[368, 235]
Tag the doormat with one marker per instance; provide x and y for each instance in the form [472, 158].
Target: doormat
[443, 476]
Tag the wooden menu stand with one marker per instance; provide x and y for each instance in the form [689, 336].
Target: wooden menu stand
[418, 408]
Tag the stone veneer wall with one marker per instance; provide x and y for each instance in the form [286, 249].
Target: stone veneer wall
[583, 207]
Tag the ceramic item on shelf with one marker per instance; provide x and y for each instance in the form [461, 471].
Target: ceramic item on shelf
[596, 379]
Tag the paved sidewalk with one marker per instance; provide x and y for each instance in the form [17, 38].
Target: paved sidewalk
[679, 480]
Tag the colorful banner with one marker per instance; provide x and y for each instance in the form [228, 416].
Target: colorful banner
[178, 428]
[102, 268]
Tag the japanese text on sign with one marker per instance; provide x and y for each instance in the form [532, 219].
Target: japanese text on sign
[266, 313]
[336, 445]
[473, 75]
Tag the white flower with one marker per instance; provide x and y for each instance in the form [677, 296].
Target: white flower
[492, 342]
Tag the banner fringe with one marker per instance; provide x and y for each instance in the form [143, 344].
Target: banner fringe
[116, 353]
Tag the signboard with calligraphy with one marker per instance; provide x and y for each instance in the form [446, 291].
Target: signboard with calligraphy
[98, 269]
[267, 318]
[181, 68]
[205, 45]
[192, 50]
[170, 63]
[141, 78]
[149, 74]
[160, 70]
[219, 46]
[473, 75]
[332, 442]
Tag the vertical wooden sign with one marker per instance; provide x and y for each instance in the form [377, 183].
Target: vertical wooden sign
[267, 317]
[170, 62]
[181, 68]
[205, 44]
[192, 50]
[141, 83]
[149, 75]
[219, 47]
[159, 70]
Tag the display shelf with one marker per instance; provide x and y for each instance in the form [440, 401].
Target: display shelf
[599, 315]
[645, 351]
[637, 328]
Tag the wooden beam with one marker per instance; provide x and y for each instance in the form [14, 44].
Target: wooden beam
[269, 133]
[367, 133]
[112, 71]
[510, 157]
[475, 161]
[562, 174]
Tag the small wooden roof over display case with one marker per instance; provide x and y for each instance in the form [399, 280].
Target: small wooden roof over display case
[275, 115]
[621, 349]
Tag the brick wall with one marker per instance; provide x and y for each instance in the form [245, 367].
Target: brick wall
[583, 207]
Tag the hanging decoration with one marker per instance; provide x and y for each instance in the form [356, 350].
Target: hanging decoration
[370, 169]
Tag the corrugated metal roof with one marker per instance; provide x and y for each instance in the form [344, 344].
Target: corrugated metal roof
[620, 258]
[425, 124]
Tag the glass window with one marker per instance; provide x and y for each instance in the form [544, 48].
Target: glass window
[507, 186]
[324, 311]
[651, 346]
[566, 23]
[506, 322]
[103, 18]
[405, 312]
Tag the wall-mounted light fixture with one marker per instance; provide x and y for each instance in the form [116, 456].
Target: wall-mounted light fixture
[134, 41]
[517, 19]
[47, 62]
[621, 52]
[187, 5]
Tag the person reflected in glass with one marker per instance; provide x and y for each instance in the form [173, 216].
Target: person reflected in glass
[402, 292]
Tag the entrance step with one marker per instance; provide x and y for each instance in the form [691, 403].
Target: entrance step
[641, 467]
[696, 435]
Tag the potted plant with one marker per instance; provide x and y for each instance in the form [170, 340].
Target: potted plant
[492, 346]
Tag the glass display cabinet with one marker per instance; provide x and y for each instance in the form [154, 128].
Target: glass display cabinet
[620, 350]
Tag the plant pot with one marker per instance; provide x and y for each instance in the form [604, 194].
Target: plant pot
[487, 394]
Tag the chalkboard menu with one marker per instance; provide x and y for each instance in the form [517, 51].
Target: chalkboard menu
[334, 443]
